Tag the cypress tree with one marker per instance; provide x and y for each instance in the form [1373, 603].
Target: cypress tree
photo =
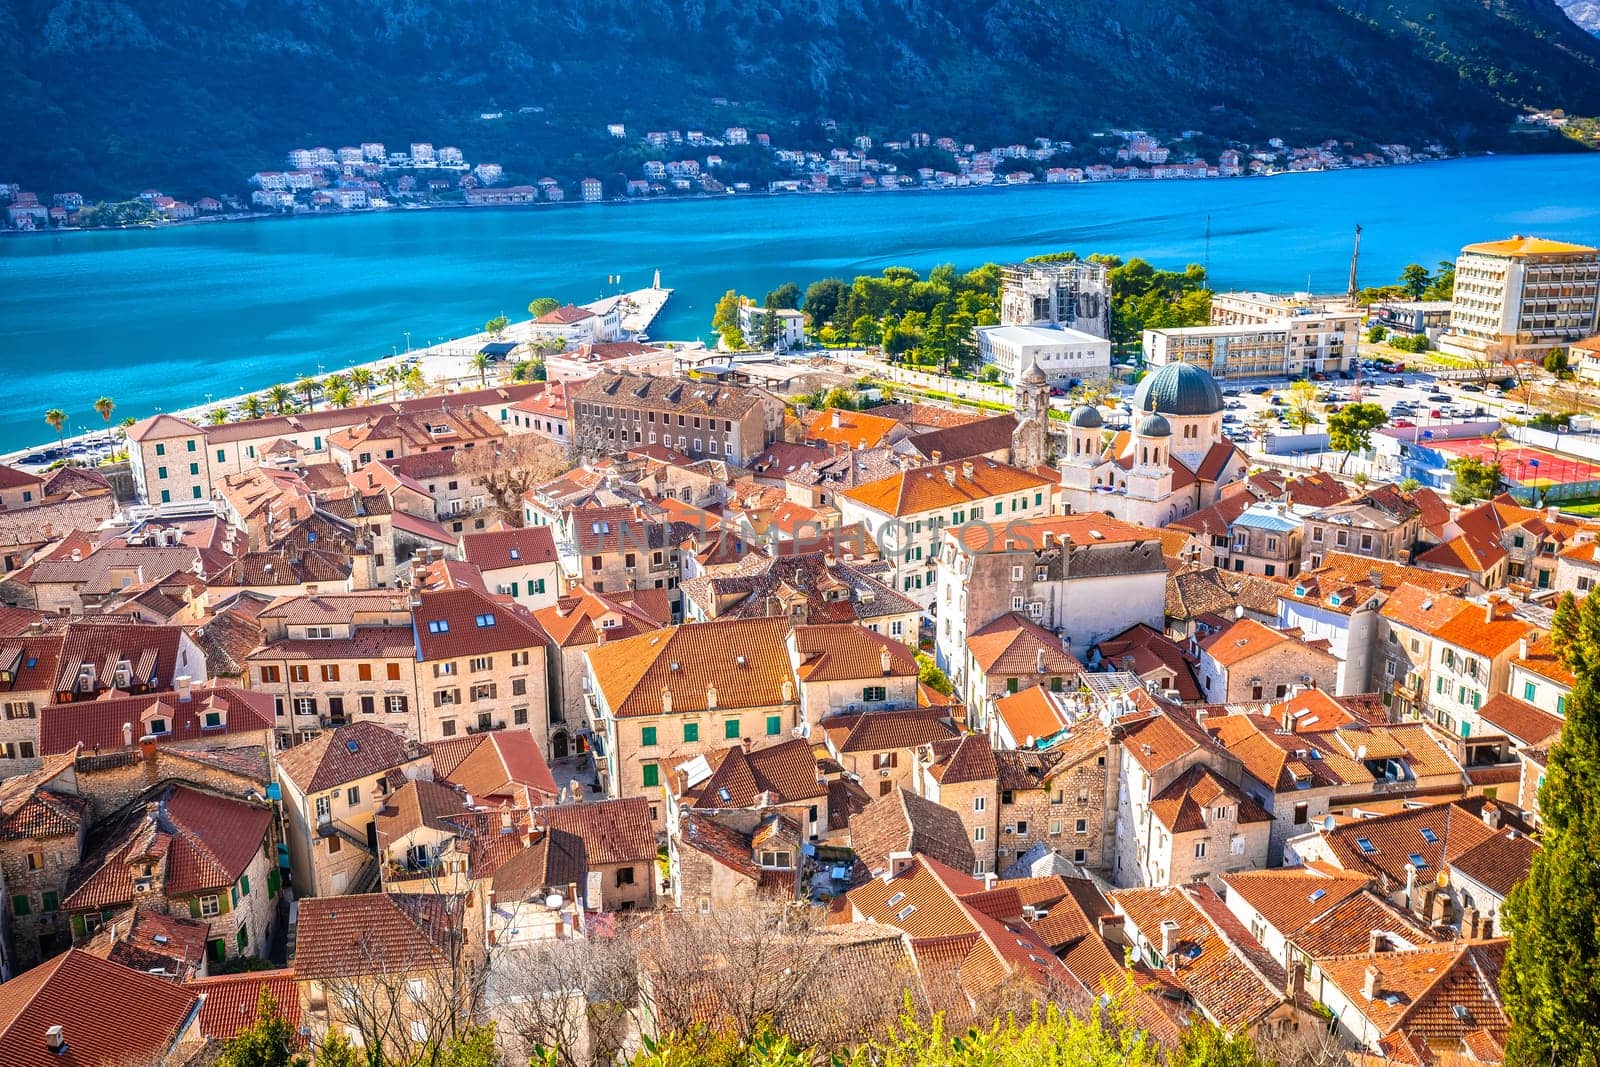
[1564, 630]
[1551, 978]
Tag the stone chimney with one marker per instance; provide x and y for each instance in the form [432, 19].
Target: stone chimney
[1469, 923]
[899, 863]
[1038, 660]
[1288, 718]
[966, 470]
[1377, 942]
[147, 747]
[1522, 648]
[666, 701]
[950, 475]
[1488, 610]
[1111, 929]
[936, 456]
[838, 418]
[127, 735]
[1169, 937]
[711, 696]
[885, 661]
[1294, 985]
[1491, 815]
[1372, 982]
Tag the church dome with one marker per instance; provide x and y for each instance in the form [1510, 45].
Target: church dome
[1153, 425]
[1033, 375]
[1086, 417]
[1179, 389]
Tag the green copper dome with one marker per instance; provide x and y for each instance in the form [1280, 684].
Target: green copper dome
[1179, 389]
[1086, 417]
[1153, 425]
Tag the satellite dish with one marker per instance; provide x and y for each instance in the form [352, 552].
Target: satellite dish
[553, 901]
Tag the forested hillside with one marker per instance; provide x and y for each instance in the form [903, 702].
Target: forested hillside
[112, 95]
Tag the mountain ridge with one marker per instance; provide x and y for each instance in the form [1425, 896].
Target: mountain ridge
[114, 95]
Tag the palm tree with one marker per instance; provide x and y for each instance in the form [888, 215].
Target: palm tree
[340, 396]
[104, 407]
[218, 416]
[57, 419]
[480, 363]
[333, 382]
[362, 378]
[519, 370]
[392, 376]
[279, 396]
[252, 407]
[309, 387]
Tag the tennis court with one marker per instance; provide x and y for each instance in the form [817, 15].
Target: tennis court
[1534, 468]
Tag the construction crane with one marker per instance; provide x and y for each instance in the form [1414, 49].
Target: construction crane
[1355, 257]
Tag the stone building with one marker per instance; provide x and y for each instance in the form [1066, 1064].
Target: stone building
[699, 419]
[1247, 661]
[42, 830]
[189, 853]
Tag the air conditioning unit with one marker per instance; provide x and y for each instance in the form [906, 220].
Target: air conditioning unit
[883, 772]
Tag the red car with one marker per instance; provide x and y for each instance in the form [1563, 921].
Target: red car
[1401, 424]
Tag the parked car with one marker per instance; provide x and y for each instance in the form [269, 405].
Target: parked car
[1439, 398]
[1401, 382]
[1261, 390]
[1470, 388]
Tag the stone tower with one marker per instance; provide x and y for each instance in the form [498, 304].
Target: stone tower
[1030, 441]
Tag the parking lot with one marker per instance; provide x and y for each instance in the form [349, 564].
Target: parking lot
[1411, 398]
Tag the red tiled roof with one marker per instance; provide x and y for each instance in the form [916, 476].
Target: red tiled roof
[231, 1001]
[455, 623]
[631, 674]
[373, 933]
[944, 485]
[1520, 720]
[613, 831]
[509, 548]
[849, 651]
[1183, 804]
[788, 770]
[75, 991]
[905, 822]
[97, 724]
[334, 757]
[498, 763]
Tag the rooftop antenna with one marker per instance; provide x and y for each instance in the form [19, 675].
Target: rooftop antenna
[1355, 257]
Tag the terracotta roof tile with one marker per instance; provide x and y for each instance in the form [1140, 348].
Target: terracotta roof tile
[1183, 804]
[454, 623]
[786, 770]
[613, 831]
[231, 1001]
[1520, 720]
[334, 757]
[944, 485]
[1349, 925]
[631, 674]
[1012, 644]
[845, 652]
[880, 731]
[371, 933]
[498, 549]
[73, 991]
[902, 821]
[1420, 990]
[969, 759]
[97, 724]
[505, 764]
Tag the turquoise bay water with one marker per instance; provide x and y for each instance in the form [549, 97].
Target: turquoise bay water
[157, 319]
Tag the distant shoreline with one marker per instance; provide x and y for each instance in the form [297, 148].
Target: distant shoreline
[998, 186]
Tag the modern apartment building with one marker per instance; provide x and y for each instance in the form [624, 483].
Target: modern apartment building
[1262, 335]
[1521, 297]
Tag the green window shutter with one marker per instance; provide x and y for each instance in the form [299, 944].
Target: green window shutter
[234, 896]
[21, 905]
[220, 456]
[194, 908]
[244, 885]
[52, 902]
[243, 939]
[691, 731]
[538, 585]
[1528, 690]
[730, 729]
[161, 449]
[647, 736]
[223, 907]
[189, 445]
[78, 929]
[273, 882]
[652, 774]
[774, 725]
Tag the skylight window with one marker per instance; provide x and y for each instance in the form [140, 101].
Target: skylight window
[907, 910]
[352, 747]
[438, 626]
[1365, 845]
[897, 898]
[1429, 836]
[485, 619]
[1417, 861]
[1317, 895]
[516, 553]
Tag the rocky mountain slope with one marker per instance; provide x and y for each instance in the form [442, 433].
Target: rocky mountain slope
[112, 95]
